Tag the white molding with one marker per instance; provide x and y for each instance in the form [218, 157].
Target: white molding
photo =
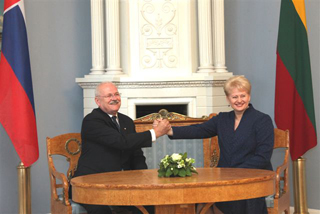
[170, 84]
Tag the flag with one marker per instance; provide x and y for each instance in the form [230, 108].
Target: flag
[17, 113]
[294, 107]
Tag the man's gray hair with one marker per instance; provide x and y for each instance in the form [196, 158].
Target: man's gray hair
[97, 91]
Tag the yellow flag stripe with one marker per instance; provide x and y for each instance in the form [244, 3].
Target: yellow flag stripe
[301, 10]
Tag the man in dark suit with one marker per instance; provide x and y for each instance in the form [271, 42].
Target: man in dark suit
[109, 139]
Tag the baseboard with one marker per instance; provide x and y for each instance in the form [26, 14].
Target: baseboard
[311, 211]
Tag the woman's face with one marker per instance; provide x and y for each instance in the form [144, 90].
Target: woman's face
[239, 100]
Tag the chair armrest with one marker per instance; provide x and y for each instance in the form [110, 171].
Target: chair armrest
[65, 185]
[282, 168]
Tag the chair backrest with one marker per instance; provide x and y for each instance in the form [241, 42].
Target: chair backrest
[67, 145]
[211, 151]
[281, 140]
[145, 123]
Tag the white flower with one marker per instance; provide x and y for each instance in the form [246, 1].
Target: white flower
[165, 159]
[176, 157]
[181, 163]
[176, 165]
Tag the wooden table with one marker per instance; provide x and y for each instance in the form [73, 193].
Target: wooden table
[172, 195]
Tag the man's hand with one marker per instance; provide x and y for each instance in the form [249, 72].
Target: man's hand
[161, 127]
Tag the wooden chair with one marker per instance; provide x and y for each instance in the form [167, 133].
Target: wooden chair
[278, 203]
[281, 201]
[69, 146]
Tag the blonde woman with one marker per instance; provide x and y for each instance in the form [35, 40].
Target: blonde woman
[245, 139]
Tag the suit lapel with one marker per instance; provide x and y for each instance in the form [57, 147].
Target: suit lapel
[122, 123]
[108, 119]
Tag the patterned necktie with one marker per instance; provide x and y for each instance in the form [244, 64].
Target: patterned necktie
[114, 120]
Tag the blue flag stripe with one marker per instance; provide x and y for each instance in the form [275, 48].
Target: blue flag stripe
[15, 38]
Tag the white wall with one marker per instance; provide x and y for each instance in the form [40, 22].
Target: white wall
[60, 51]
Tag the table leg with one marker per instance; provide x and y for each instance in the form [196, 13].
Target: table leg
[175, 209]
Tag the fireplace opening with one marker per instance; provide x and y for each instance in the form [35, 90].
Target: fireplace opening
[144, 110]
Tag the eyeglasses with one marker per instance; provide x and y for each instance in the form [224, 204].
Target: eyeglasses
[109, 96]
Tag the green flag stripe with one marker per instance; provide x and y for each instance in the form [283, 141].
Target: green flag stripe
[294, 51]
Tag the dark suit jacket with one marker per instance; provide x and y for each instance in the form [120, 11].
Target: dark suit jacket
[105, 149]
[249, 146]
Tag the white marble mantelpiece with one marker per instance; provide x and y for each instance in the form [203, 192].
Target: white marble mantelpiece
[202, 95]
[159, 52]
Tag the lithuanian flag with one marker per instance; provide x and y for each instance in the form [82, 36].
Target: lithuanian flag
[294, 107]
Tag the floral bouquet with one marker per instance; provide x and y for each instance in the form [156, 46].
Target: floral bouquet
[176, 165]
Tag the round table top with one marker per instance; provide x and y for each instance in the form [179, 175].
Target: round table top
[144, 187]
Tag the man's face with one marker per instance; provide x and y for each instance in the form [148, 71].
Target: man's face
[109, 99]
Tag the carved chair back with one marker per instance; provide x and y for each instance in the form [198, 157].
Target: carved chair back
[211, 150]
[69, 146]
[281, 200]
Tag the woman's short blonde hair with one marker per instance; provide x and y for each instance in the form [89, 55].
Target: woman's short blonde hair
[239, 82]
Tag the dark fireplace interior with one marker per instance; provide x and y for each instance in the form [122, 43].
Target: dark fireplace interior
[149, 109]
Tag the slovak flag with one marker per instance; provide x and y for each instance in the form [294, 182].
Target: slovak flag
[17, 112]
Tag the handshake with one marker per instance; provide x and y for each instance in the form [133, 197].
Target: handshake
[162, 127]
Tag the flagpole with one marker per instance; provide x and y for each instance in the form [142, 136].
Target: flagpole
[24, 189]
[299, 184]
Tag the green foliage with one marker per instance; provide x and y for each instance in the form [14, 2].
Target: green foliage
[176, 165]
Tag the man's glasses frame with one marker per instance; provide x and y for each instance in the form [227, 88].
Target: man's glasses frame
[109, 96]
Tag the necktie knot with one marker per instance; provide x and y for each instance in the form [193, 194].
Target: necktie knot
[114, 120]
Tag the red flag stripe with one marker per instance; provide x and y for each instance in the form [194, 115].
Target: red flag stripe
[20, 125]
[9, 3]
[295, 119]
